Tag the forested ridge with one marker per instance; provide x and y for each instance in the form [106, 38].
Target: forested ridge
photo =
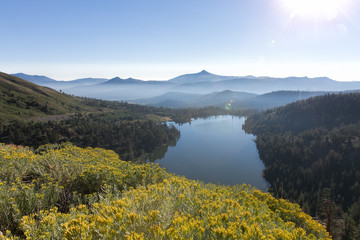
[311, 151]
[327, 111]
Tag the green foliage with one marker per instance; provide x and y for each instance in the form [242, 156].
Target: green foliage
[312, 146]
[66, 192]
[130, 139]
[62, 176]
[328, 111]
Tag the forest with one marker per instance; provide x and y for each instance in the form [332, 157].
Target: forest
[311, 152]
[131, 140]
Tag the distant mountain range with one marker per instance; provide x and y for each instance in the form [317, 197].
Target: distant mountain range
[199, 89]
[57, 84]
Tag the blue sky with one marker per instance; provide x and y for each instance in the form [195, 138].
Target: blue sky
[160, 39]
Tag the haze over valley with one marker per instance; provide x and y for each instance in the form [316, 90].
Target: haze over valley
[200, 89]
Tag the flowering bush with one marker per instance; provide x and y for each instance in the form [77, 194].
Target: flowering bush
[66, 192]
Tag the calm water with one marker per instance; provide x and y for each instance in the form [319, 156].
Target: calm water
[216, 150]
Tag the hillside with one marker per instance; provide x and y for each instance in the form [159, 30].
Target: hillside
[169, 99]
[237, 100]
[22, 100]
[221, 98]
[311, 152]
[328, 111]
[274, 99]
[186, 100]
[62, 191]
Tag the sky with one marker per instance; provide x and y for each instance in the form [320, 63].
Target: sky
[161, 39]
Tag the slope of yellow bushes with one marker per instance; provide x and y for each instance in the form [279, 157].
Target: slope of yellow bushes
[66, 192]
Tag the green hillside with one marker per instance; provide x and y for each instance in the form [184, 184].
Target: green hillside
[67, 192]
[23, 99]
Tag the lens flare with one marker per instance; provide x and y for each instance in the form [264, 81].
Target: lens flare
[328, 9]
[228, 105]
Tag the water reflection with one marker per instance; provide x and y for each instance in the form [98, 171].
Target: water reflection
[214, 150]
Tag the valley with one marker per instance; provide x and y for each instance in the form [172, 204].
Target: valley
[309, 140]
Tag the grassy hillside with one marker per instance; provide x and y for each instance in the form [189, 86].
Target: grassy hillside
[62, 191]
[23, 99]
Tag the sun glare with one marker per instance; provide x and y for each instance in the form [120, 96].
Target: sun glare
[328, 9]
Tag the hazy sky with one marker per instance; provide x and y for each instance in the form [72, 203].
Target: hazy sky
[160, 39]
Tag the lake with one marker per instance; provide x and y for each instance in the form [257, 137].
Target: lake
[216, 150]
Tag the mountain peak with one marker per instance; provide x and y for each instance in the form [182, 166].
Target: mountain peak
[203, 76]
[117, 80]
[204, 72]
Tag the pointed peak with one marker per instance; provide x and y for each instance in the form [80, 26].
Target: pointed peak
[204, 72]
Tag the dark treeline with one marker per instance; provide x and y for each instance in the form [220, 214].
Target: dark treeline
[130, 139]
[311, 152]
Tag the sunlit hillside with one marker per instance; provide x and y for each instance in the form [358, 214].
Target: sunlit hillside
[62, 191]
[21, 99]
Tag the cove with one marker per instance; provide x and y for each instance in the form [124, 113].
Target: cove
[216, 150]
